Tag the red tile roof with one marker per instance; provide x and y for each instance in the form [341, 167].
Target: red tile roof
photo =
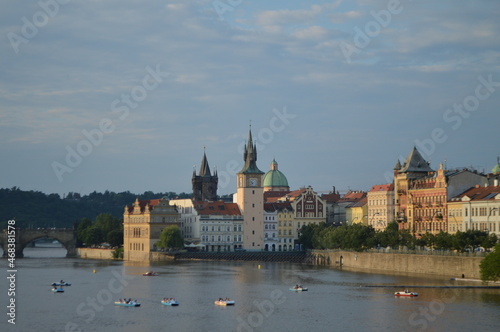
[352, 196]
[383, 187]
[331, 198]
[279, 206]
[273, 196]
[217, 208]
[480, 193]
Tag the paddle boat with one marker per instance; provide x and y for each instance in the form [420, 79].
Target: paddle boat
[61, 283]
[57, 289]
[224, 302]
[129, 303]
[150, 274]
[405, 293]
[170, 302]
[298, 288]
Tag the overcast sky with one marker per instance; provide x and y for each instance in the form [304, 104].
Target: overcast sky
[124, 95]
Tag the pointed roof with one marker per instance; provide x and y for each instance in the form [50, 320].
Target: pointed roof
[250, 157]
[398, 166]
[204, 168]
[415, 163]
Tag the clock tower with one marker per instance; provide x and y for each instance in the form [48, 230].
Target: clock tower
[250, 198]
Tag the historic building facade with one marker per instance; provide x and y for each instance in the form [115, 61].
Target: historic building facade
[143, 223]
[422, 194]
[204, 184]
[381, 206]
[270, 227]
[308, 206]
[478, 209]
[250, 198]
[357, 213]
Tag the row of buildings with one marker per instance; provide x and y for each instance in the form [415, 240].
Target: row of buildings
[266, 215]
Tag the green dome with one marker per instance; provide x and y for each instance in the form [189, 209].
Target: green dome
[496, 169]
[274, 178]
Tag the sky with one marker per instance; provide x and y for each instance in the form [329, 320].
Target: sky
[127, 95]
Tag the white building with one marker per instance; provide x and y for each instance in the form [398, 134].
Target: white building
[270, 228]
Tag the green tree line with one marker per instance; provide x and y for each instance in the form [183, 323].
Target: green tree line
[104, 229]
[359, 237]
[33, 209]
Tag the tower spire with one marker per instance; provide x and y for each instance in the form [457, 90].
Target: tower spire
[250, 156]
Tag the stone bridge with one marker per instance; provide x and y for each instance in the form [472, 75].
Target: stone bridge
[67, 237]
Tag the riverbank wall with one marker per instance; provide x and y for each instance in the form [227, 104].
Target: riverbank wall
[259, 256]
[91, 253]
[453, 266]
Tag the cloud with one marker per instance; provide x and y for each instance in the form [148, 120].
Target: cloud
[311, 33]
[282, 17]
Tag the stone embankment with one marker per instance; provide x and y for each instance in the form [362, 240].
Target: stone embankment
[463, 266]
[92, 253]
[262, 256]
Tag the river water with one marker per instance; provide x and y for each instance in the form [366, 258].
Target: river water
[336, 300]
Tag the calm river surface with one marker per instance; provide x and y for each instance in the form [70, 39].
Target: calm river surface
[336, 300]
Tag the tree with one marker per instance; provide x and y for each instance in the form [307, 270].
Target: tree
[490, 265]
[115, 237]
[82, 230]
[171, 237]
[93, 236]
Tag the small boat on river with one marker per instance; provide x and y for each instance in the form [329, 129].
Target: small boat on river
[298, 288]
[223, 302]
[170, 302]
[405, 293]
[127, 303]
[57, 289]
[150, 274]
[61, 283]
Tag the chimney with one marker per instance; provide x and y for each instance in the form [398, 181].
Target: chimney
[495, 182]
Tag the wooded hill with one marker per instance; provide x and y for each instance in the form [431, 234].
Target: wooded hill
[35, 209]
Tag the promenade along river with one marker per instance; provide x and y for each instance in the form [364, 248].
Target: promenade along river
[336, 300]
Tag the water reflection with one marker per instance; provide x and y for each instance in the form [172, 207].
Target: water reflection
[336, 300]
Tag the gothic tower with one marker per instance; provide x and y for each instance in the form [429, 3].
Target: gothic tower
[250, 198]
[204, 184]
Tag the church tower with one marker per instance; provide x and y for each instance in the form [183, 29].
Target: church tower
[204, 184]
[250, 198]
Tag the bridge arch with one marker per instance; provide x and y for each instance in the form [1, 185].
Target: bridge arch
[66, 236]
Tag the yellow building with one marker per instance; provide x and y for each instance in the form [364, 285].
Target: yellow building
[143, 223]
[285, 227]
[357, 213]
[380, 206]
[455, 217]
